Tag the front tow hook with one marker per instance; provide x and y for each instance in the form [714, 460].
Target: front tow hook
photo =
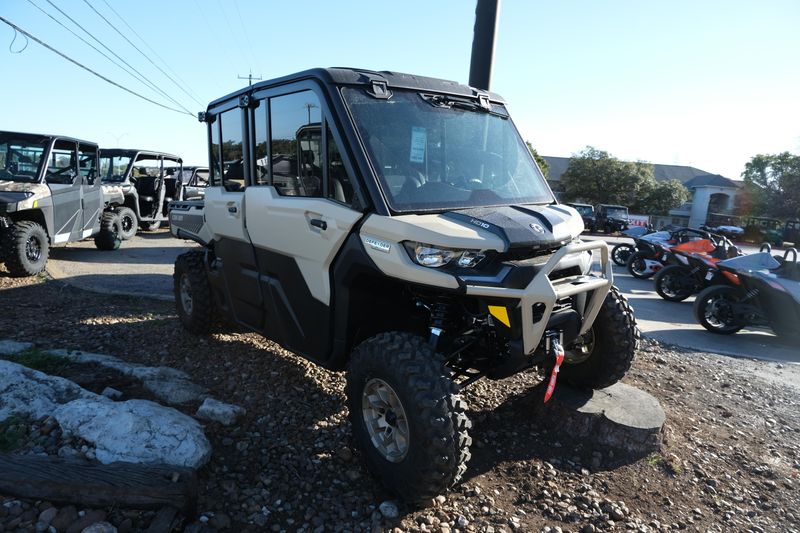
[556, 351]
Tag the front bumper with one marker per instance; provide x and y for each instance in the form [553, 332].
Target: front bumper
[536, 303]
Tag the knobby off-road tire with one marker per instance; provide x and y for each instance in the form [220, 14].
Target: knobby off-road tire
[193, 299]
[402, 366]
[620, 254]
[128, 223]
[666, 278]
[25, 248]
[712, 309]
[612, 342]
[637, 267]
[108, 238]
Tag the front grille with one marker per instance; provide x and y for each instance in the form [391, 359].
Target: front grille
[531, 256]
[564, 273]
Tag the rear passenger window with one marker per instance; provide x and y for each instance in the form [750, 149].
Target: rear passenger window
[295, 122]
[232, 154]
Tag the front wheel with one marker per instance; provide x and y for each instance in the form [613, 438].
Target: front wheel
[620, 253]
[673, 283]
[407, 418]
[637, 266]
[193, 298]
[603, 355]
[25, 248]
[108, 238]
[128, 223]
[714, 309]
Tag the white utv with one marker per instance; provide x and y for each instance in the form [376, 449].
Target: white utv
[396, 227]
[50, 195]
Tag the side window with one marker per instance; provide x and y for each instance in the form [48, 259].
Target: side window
[296, 138]
[87, 163]
[216, 168]
[261, 128]
[62, 165]
[340, 185]
[232, 155]
[202, 178]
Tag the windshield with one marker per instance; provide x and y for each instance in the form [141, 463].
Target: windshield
[433, 152]
[616, 212]
[113, 168]
[20, 157]
[584, 210]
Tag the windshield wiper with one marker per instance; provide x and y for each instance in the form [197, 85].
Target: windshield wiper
[442, 101]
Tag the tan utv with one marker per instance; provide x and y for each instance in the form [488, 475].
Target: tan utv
[49, 196]
[397, 228]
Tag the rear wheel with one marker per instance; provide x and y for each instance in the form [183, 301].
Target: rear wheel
[193, 298]
[25, 248]
[637, 266]
[407, 417]
[108, 238]
[714, 309]
[128, 223]
[603, 355]
[673, 283]
[620, 254]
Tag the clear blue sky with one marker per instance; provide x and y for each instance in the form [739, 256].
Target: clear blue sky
[702, 83]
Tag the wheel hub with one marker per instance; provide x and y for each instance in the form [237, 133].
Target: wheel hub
[186, 294]
[33, 249]
[385, 420]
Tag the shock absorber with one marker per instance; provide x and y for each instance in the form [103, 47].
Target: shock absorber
[441, 315]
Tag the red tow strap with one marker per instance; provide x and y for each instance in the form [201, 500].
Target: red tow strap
[551, 387]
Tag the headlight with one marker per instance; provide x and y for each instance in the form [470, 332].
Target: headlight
[435, 257]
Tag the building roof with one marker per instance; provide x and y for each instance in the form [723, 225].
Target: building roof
[689, 176]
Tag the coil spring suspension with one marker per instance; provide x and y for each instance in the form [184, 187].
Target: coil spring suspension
[441, 314]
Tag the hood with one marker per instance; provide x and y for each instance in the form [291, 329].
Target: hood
[530, 226]
[20, 186]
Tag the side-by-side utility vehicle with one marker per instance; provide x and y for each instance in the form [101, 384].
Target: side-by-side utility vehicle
[149, 181]
[396, 227]
[49, 195]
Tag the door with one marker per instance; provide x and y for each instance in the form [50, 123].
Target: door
[225, 213]
[61, 175]
[91, 193]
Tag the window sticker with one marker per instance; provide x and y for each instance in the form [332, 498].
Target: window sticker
[419, 138]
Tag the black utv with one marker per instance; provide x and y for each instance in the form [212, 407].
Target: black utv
[149, 181]
[611, 218]
[396, 227]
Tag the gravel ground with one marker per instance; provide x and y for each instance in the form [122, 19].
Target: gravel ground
[730, 461]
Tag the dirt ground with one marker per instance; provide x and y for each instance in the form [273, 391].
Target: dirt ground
[730, 459]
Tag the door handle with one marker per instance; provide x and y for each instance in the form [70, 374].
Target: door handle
[233, 209]
[317, 223]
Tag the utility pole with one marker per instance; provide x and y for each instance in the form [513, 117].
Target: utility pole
[480, 68]
[249, 78]
[309, 106]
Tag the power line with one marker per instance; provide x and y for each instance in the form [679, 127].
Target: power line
[250, 49]
[141, 80]
[84, 67]
[188, 91]
[137, 48]
[101, 43]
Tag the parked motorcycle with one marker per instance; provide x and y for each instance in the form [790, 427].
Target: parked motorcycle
[768, 294]
[695, 268]
[653, 250]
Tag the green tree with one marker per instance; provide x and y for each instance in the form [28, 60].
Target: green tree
[597, 177]
[772, 184]
[545, 168]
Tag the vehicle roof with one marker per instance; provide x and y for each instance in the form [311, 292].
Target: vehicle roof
[356, 76]
[48, 136]
[580, 204]
[135, 151]
[614, 205]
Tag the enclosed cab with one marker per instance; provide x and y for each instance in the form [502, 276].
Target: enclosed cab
[149, 182]
[791, 233]
[194, 181]
[611, 218]
[50, 195]
[396, 227]
[586, 212]
[763, 229]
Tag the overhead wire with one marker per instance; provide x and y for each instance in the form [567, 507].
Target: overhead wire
[144, 81]
[84, 67]
[250, 49]
[233, 33]
[136, 47]
[112, 52]
[188, 89]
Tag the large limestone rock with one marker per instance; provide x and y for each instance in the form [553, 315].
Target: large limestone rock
[32, 393]
[137, 431]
